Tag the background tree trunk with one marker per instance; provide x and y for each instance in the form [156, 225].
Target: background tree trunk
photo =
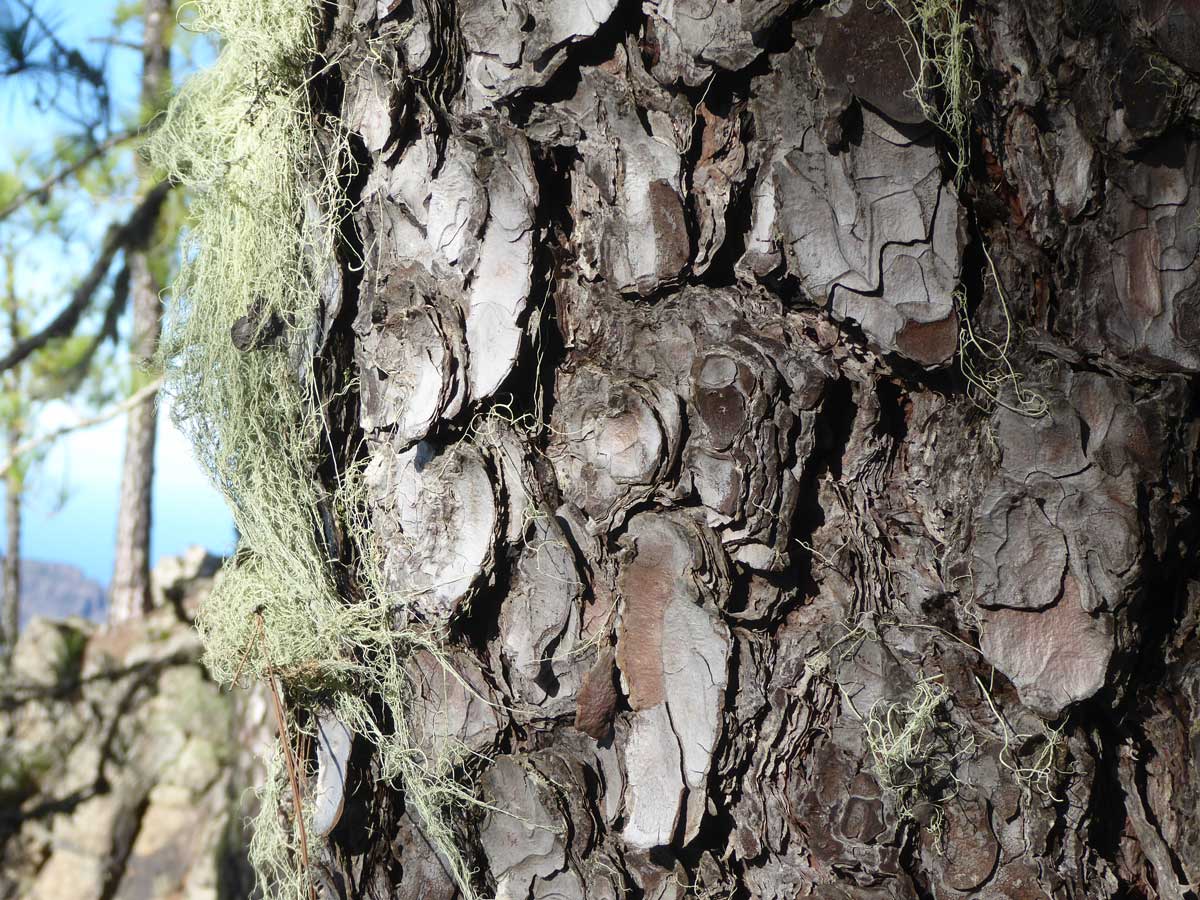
[13, 479]
[131, 567]
[12, 557]
[657, 332]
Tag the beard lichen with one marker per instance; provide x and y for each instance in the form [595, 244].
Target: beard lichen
[943, 86]
[263, 168]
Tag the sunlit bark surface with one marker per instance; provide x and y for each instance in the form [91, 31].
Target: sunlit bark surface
[653, 313]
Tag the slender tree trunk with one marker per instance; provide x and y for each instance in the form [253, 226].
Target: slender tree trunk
[130, 594]
[12, 553]
[13, 484]
[811, 523]
[131, 571]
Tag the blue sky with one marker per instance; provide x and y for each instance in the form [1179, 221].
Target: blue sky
[72, 508]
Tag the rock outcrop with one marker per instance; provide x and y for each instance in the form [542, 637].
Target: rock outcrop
[123, 765]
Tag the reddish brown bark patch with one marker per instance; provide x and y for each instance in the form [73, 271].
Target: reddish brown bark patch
[597, 703]
[929, 343]
[646, 585]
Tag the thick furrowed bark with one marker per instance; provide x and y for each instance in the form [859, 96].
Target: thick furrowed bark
[658, 334]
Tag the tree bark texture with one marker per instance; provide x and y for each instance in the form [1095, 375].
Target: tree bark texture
[655, 314]
[131, 567]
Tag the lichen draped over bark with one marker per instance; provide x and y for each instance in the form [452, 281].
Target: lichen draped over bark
[741, 586]
[247, 320]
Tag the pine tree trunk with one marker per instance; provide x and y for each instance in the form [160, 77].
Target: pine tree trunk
[12, 553]
[130, 592]
[656, 315]
[13, 488]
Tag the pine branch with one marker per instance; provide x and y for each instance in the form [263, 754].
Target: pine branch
[132, 233]
[66, 172]
[138, 397]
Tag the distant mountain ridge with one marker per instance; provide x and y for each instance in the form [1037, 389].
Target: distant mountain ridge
[59, 590]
